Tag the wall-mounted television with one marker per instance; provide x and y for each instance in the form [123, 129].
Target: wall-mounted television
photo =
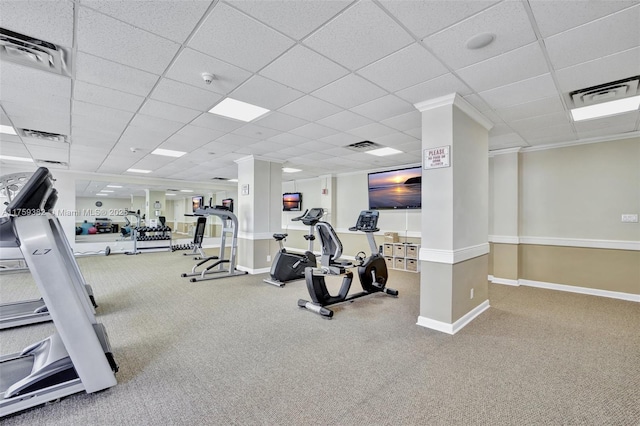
[198, 202]
[396, 189]
[228, 203]
[291, 201]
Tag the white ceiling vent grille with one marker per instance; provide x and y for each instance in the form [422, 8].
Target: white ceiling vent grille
[605, 92]
[40, 54]
[53, 164]
[44, 136]
[363, 146]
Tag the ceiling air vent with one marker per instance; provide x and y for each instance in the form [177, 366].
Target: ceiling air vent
[40, 54]
[605, 92]
[363, 146]
[53, 164]
[38, 134]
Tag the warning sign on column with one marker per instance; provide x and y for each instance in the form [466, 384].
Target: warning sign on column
[435, 158]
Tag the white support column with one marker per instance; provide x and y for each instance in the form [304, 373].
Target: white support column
[259, 211]
[455, 207]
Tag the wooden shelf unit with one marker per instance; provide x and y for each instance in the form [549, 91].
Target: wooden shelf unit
[402, 256]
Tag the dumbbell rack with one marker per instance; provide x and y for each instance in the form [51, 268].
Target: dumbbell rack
[149, 238]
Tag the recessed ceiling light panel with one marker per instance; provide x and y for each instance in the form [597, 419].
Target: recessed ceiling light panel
[238, 110]
[8, 130]
[138, 171]
[606, 109]
[382, 152]
[290, 170]
[168, 152]
[12, 158]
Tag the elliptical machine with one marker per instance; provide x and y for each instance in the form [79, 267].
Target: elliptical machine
[289, 266]
[372, 270]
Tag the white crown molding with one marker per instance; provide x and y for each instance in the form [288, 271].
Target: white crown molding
[504, 239]
[505, 151]
[460, 102]
[252, 271]
[456, 326]
[578, 242]
[608, 138]
[452, 257]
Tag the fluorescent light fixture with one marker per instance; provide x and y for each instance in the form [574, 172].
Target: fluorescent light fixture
[170, 194]
[606, 109]
[102, 195]
[381, 152]
[186, 190]
[7, 130]
[238, 110]
[114, 186]
[290, 170]
[168, 152]
[106, 190]
[138, 171]
[233, 180]
[11, 158]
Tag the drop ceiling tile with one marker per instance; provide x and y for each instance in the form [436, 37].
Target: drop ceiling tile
[508, 140]
[173, 20]
[177, 93]
[303, 69]
[279, 121]
[254, 131]
[396, 139]
[553, 17]
[532, 123]
[344, 120]
[423, 18]
[190, 64]
[235, 141]
[586, 42]
[371, 131]
[404, 122]
[627, 121]
[99, 95]
[110, 115]
[313, 131]
[294, 18]
[18, 82]
[416, 133]
[217, 122]
[111, 39]
[142, 139]
[340, 139]
[310, 108]
[404, 68]
[152, 162]
[361, 35]
[531, 109]
[599, 71]
[349, 91]
[50, 21]
[168, 111]
[606, 131]
[14, 149]
[384, 107]
[507, 20]
[108, 126]
[518, 64]
[288, 139]
[55, 109]
[186, 142]
[154, 124]
[518, 93]
[112, 75]
[265, 93]
[439, 86]
[561, 133]
[233, 37]
[91, 137]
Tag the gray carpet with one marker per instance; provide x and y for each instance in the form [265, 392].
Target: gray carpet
[239, 351]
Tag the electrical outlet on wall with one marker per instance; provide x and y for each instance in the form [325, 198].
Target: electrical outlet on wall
[268, 258]
[629, 218]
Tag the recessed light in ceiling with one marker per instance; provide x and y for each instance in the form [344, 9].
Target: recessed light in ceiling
[168, 152]
[8, 130]
[232, 108]
[138, 171]
[479, 41]
[11, 158]
[170, 194]
[102, 195]
[233, 180]
[186, 190]
[606, 109]
[290, 170]
[114, 186]
[384, 152]
[106, 190]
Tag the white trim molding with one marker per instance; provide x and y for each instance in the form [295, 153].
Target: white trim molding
[456, 326]
[453, 256]
[252, 271]
[579, 242]
[568, 288]
[460, 102]
[504, 239]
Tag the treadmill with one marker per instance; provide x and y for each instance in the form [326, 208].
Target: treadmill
[77, 357]
[14, 314]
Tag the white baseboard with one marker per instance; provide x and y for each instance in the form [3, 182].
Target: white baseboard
[569, 288]
[456, 326]
[252, 271]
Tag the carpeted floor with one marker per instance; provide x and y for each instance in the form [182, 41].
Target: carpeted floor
[239, 351]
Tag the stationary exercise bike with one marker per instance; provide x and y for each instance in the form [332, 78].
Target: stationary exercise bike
[289, 266]
[372, 270]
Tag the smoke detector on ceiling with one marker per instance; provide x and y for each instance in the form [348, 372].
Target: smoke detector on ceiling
[33, 52]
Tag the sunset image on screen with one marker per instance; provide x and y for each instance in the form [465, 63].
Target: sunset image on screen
[396, 189]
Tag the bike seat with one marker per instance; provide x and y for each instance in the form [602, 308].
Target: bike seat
[280, 237]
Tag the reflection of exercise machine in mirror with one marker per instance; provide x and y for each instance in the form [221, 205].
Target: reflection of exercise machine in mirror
[218, 265]
[11, 259]
[127, 229]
